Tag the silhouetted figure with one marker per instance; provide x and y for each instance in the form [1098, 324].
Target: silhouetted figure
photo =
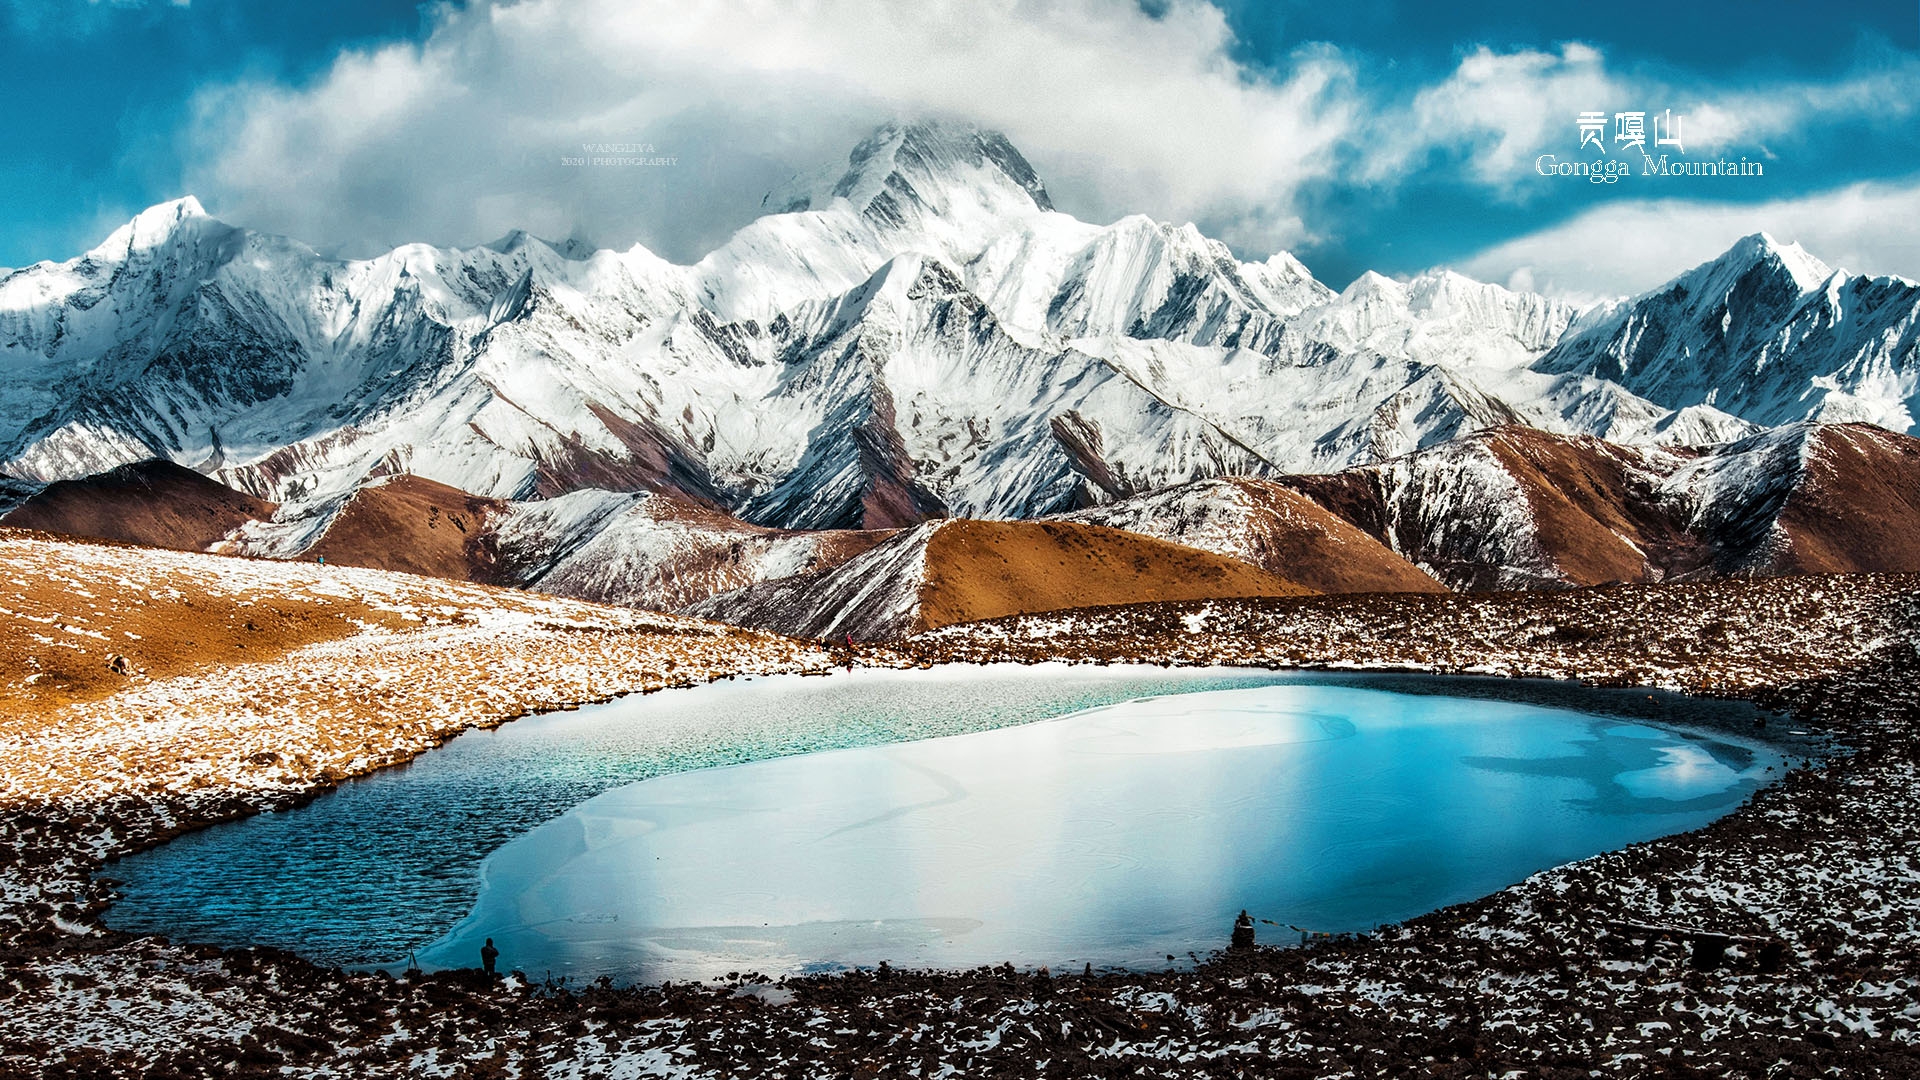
[1709, 951]
[488, 954]
[1772, 954]
[1242, 931]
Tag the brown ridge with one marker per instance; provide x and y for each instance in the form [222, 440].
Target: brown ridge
[1286, 534]
[153, 503]
[417, 526]
[986, 569]
[1857, 507]
[1597, 520]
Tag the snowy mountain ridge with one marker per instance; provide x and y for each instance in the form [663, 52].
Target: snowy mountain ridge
[923, 334]
[1767, 332]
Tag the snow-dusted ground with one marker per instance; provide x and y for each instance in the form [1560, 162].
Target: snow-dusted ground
[432, 658]
[1540, 979]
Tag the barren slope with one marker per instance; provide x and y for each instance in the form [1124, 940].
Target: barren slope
[946, 572]
[655, 550]
[351, 667]
[1276, 529]
[1857, 506]
[1515, 507]
[986, 569]
[156, 503]
[415, 526]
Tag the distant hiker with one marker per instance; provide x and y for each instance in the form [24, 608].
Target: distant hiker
[488, 954]
[1242, 931]
[1772, 954]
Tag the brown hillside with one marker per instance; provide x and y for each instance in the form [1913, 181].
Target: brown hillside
[66, 610]
[416, 526]
[1857, 507]
[154, 503]
[1302, 541]
[1593, 511]
[1597, 518]
[1270, 526]
[1298, 539]
[986, 569]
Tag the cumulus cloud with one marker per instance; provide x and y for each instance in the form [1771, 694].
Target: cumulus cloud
[1625, 248]
[461, 136]
[1495, 111]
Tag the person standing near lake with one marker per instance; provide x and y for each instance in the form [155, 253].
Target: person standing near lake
[1242, 931]
[488, 954]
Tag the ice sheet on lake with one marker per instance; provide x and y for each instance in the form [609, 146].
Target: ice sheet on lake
[1114, 836]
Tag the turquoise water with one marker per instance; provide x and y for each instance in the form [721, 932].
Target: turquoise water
[786, 825]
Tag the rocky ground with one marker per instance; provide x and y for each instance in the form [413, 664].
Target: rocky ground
[1815, 883]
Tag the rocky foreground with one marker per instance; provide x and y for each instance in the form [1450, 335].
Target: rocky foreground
[1797, 917]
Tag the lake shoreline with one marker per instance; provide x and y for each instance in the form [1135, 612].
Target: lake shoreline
[601, 842]
[1838, 651]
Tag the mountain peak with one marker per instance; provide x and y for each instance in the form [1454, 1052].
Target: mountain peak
[518, 239]
[930, 165]
[151, 227]
[1372, 284]
[1807, 271]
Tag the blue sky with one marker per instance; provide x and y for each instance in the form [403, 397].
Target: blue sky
[1373, 134]
[96, 94]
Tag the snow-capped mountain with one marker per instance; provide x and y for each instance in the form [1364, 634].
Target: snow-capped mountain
[917, 334]
[1765, 332]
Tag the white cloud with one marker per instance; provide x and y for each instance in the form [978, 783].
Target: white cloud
[1495, 112]
[1629, 247]
[458, 138]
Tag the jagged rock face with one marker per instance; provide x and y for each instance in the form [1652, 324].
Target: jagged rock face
[1441, 318]
[919, 402]
[1767, 333]
[654, 551]
[1517, 508]
[918, 334]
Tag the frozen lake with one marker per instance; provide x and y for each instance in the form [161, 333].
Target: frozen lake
[1131, 827]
